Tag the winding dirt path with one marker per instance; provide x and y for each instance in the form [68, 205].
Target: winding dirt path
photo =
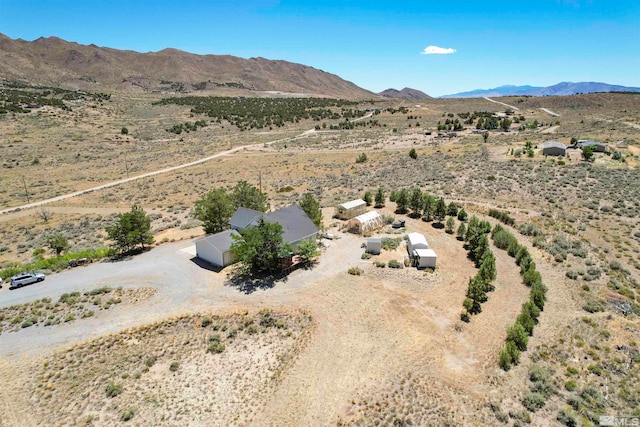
[502, 103]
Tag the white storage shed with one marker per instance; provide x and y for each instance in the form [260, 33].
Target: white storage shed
[374, 245]
[351, 209]
[416, 241]
[425, 258]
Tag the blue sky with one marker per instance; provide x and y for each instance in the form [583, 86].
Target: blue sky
[375, 44]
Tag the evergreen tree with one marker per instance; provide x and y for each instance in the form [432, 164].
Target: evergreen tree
[402, 200]
[518, 335]
[461, 231]
[428, 207]
[380, 198]
[440, 210]
[449, 225]
[415, 202]
[481, 248]
[311, 207]
[368, 197]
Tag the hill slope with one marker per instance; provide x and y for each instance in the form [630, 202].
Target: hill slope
[560, 89]
[406, 93]
[56, 62]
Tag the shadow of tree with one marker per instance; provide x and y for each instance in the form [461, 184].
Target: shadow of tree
[249, 282]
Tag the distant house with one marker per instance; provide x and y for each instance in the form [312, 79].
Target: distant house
[351, 209]
[553, 148]
[216, 248]
[365, 222]
[597, 146]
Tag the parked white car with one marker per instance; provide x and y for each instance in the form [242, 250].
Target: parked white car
[24, 279]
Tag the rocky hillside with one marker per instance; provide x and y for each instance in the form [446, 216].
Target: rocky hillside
[56, 62]
[406, 93]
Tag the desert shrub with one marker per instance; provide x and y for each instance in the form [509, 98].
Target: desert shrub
[366, 255]
[355, 271]
[112, 390]
[534, 401]
[529, 229]
[174, 366]
[361, 158]
[390, 243]
[592, 307]
[572, 275]
[570, 385]
[206, 321]
[595, 369]
[566, 417]
[127, 415]
[99, 291]
[388, 219]
[395, 264]
[505, 360]
[215, 346]
[379, 264]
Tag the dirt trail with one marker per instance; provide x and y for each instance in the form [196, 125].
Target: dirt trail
[549, 112]
[502, 103]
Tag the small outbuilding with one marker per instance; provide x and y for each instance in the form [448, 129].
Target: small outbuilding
[424, 258]
[553, 148]
[598, 147]
[216, 248]
[374, 245]
[416, 241]
[366, 222]
[351, 209]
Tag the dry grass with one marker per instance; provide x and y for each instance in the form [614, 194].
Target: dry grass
[164, 374]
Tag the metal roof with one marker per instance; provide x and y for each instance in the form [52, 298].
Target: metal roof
[553, 144]
[221, 241]
[353, 204]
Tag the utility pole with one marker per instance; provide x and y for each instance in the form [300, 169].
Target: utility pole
[260, 181]
[126, 167]
[24, 182]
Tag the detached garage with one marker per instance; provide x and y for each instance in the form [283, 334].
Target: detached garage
[424, 258]
[216, 249]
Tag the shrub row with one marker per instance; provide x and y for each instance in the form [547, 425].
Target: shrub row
[502, 216]
[55, 263]
[485, 261]
[518, 335]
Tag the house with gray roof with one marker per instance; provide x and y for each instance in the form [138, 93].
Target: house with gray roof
[553, 148]
[296, 227]
[597, 146]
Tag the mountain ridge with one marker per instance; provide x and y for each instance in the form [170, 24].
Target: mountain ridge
[57, 62]
[406, 93]
[559, 89]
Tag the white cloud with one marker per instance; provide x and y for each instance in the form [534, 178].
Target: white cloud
[435, 50]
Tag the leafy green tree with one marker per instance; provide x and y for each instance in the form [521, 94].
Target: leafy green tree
[402, 200]
[247, 196]
[413, 154]
[428, 206]
[307, 249]
[449, 225]
[415, 201]
[368, 198]
[311, 207]
[131, 230]
[587, 153]
[380, 198]
[58, 243]
[214, 209]
[440, 210]
[260, 248]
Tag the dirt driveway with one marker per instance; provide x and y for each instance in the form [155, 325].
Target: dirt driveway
[182, 286]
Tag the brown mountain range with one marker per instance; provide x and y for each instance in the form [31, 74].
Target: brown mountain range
[406, 93]
[56, 62]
